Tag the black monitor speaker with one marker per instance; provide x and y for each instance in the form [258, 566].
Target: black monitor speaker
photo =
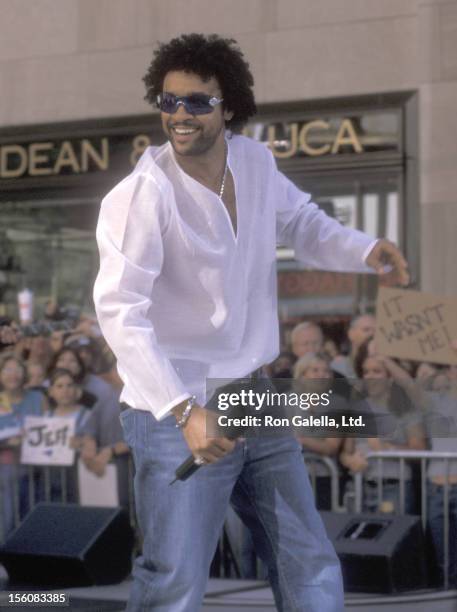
[378, 553]
[64, 545]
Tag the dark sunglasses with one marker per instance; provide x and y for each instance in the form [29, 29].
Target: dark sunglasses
[195, 104]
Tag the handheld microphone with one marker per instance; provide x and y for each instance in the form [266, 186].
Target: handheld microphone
[189, 466]
[186, 469]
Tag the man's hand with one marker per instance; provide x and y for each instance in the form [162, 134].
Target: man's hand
[209, 449]
[385, 253]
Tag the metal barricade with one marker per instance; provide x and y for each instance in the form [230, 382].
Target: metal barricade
[23, 486]
[312, 460]
[423, 457]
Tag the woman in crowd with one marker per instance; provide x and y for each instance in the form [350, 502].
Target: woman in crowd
[102, 443]
[64, 393]
[16, 403]
[94, 351]
[94, 388]
[441, 425]
[68, 359]
[390, 398]
[36, 376]
[102, 433]
[316, 367]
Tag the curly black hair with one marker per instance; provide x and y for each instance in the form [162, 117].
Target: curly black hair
[207, 56]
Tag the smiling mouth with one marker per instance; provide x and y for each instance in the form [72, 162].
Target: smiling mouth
[183, 131]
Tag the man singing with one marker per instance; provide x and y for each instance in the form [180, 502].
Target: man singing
[187, 291]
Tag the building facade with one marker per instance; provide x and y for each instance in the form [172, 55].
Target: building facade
[356, 99]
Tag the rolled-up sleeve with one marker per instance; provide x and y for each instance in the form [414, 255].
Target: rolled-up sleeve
[132, 223]
[318, 240]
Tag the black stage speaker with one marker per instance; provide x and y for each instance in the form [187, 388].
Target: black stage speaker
[63, 545]
[378, 553]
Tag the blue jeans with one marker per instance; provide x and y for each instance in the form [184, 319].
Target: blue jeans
[435, 511]
[265, 480]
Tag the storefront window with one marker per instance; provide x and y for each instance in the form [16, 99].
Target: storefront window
[351, 160]
[51, 251]
[367, 201]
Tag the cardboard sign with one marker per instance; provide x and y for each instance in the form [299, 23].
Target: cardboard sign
[98, 490]
[46, 441]
[415, 325]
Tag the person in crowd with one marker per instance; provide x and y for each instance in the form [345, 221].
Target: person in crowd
[40, 350]
[282, 366]
[36, 376]
[90, 382]
[440, 408]
[16, 403]
[64, 393]
[13, 378]
[425, 373]
[33, 348]
[98, 366]
[316, 367]
[390, 398]
[361, 328]
[95, 352]
[68, 359]
[9, 334]
[331, 348]
[102, 443]
[56, 340]
[94, 388]
[306, 337]
[88, 352]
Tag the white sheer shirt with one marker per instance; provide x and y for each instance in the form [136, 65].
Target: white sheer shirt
[179, 297]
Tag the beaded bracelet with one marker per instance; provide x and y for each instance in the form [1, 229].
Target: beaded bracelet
[186, 413]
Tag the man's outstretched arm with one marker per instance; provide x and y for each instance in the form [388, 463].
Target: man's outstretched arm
[321, 242]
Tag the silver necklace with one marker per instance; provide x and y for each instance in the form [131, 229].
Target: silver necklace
[221, 190]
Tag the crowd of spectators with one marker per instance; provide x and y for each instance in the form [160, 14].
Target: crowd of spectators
[72, 373]
[64, 373]
[414, 407]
